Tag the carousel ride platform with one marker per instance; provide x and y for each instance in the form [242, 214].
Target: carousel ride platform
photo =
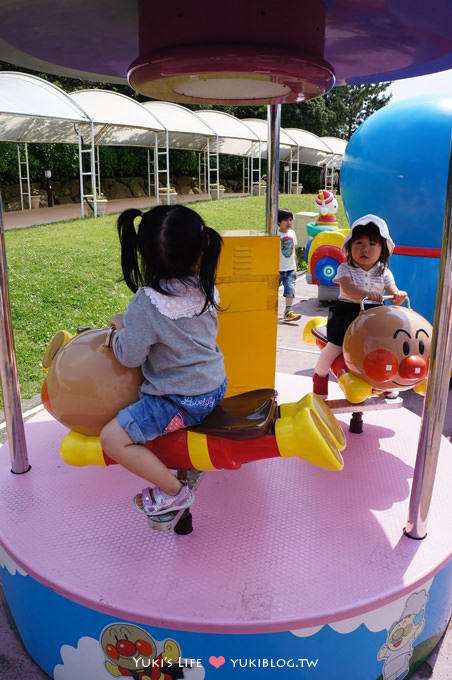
[289, 566]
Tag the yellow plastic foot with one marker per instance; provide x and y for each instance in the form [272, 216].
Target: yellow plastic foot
[421, 388]
[355, 389]
[310, 431]
[78, 449]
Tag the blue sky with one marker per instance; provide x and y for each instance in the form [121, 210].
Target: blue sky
[435, 83]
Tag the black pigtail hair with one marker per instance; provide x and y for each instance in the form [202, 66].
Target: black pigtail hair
[211, 249]
[129, 249]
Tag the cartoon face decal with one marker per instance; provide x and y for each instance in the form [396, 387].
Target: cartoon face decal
[402, 633]
[126, 645]
[131, 651]
[389, 347]
[398, 648]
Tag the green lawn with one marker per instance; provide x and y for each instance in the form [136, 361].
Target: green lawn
[67, 274]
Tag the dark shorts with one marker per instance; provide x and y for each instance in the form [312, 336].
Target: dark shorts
[341, 316]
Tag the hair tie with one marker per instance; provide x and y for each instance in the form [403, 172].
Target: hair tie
[202, 227]
[141, 213]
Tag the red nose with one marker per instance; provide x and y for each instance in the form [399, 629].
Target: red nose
[413, 368]
[126, 647]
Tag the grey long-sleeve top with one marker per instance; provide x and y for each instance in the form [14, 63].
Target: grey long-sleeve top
[174, 344]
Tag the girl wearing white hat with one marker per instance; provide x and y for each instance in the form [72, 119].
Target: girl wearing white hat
[367, 246]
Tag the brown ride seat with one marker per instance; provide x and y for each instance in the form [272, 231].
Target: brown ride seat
[244, 416]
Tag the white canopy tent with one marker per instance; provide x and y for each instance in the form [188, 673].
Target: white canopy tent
[233, 138]
[334, 162]
[260, 129]
[337, 147]
[185, 131]
[119, 121]
[208, 132]
[33, 110]
[309, 150]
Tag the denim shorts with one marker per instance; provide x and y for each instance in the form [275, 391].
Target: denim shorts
[287, 279]
[154, 415]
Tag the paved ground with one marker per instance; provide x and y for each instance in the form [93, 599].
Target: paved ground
[293, 356]
[17, 219]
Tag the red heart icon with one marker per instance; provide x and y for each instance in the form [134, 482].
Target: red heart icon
[217, 661]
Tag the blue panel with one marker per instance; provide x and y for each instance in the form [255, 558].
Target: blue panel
[68, 640]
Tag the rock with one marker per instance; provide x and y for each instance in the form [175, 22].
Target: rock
[183, 184]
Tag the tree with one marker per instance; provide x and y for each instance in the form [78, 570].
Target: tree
[311, 116]
[349, 106]
[338, 113]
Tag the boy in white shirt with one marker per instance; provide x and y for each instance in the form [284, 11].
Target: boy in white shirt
[287, 262]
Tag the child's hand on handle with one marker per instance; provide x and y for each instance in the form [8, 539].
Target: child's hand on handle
[374, 297]
[398, 297]
[117, 321]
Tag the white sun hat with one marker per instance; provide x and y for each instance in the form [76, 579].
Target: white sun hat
[382, 228]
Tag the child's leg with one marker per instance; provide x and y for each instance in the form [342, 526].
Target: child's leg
[137, 458]
[320, 378]
[288, 279]
[326, 357]
[124, 437]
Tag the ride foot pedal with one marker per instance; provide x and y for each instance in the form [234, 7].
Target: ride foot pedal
[165, 522]
[376, 402]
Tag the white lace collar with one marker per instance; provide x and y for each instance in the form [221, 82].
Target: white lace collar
[184, 300]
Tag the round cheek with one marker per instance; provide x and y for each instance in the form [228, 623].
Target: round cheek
[112, 652]
[380, 365]
[144, 647]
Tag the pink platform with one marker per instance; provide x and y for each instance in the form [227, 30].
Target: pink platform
[261, 534]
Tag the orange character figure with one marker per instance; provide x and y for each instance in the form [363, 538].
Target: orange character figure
[388, 349]
[385, 349]
[326, 204]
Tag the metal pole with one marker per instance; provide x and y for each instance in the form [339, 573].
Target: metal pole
[49, 194]
[48, 176]
[274, 126]
[438, 386]
[8, 370]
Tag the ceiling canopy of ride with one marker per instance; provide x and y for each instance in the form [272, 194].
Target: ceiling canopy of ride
[250, 52]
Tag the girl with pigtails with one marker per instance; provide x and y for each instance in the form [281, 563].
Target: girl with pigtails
[169, 329]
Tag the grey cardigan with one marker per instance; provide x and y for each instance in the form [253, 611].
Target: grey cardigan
[177, 355]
